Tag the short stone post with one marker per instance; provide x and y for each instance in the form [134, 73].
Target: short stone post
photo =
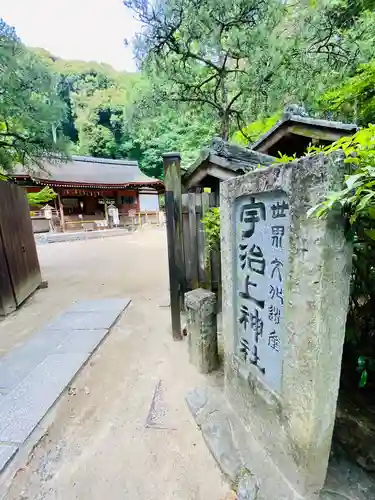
[200, 306]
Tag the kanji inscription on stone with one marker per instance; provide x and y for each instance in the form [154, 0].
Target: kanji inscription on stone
[261, 246]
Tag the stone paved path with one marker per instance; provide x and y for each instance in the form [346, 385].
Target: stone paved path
[33, 375]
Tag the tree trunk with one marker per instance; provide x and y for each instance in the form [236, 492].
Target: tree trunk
[224, 95]
[225, 126]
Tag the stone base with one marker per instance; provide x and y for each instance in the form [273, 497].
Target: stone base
[253, 474]
[43, 284]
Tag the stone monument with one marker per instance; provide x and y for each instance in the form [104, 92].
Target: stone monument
[285, 298]
[285, 281]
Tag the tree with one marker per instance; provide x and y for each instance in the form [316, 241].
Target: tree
[255, 129]
[354, 99]
[245, 60]
[95, 96]
[154, 125]
[30, 110]
[43, 196]
[204, 49]
[122, 115]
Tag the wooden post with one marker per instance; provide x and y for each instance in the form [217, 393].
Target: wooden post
[61, 208]
[106, 210]
[207, 256]
[173, 209]
[193, 250]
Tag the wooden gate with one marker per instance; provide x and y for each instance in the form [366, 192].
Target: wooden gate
[189, 265]
[19, 266]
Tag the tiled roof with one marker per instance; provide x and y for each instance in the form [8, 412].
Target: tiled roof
[288, 120]
[88, 171]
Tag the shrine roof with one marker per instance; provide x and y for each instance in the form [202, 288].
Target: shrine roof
[292, 129]
[87, 171]
[222, 160]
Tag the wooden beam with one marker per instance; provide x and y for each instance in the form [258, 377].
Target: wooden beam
[61, 208]
[196, 177]
[207, 255]
[312, 132]
[173, 209]
[193, 250]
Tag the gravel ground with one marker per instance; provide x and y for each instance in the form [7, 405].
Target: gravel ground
[97, 444]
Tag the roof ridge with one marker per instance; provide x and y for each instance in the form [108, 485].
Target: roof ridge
[99, 160]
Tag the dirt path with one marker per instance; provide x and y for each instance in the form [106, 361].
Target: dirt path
[98, 445]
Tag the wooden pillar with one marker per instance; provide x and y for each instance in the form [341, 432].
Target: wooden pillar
[105, 209]
[207, 254]
[61, 208]
[193, 243]
[173, 209]
[117, 197]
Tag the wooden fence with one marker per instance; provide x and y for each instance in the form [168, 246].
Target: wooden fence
[189, 267]
[19, 265]
[200, 268]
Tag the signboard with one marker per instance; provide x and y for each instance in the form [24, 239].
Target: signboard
[261, 246]
[114, 214]
[107, 201]
[47, 211]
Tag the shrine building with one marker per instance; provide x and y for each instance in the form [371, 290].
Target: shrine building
[85, 186]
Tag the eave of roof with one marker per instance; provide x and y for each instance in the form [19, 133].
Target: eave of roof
[155, 183]
[89, 172]
[305, 120]
[220, 161]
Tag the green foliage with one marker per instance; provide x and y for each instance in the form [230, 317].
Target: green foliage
[43, 196]
[154, 125]
[206, 68]
[357, 199]
[211, 226]
[357, 202]
[283, 158]
[255, 130]
[241, 61]
[206, 50]
[365, 366]
[354, 99]
[116, 115]
[95, 96]
[30, 109]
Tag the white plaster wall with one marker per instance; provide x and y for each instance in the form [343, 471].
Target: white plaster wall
[149, 202]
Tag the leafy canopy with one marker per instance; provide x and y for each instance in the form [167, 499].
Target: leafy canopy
[43, 196]
[206, 51]
[243, 61]
[357, 199]
[355, 97]
[30, 109]
[256, 129]
[357, 202]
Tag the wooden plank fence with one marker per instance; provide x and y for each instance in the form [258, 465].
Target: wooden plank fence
[19, 265]
[200, 269]
[189, 267]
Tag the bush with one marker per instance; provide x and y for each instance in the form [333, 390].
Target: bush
[357, 201]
